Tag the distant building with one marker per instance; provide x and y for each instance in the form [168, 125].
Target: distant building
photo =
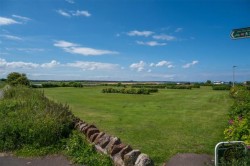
[218, 82]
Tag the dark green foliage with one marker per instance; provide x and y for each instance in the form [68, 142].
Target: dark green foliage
[2, 84]
[162, 86]
[208, 83]
[221, 87]
[28, 118]
[15, 79]
[62, 84]
[50, 85]
[81, 152]
[196, 85]
[145, 91]
[179, 87]
[75, 84]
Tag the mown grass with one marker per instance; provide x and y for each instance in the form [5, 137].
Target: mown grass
[161, 124]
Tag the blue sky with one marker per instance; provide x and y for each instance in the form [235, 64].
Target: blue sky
[122, 40]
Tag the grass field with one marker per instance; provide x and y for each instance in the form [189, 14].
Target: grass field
[161, 124]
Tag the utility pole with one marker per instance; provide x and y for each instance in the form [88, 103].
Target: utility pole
[234, 74]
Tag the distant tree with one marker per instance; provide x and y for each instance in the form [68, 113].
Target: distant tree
[3, 79]
[119, 84]
[16, 78]
[209, 82]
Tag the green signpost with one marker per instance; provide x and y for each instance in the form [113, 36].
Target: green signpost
[240, 33]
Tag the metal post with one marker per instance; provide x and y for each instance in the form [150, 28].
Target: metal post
[234, 74]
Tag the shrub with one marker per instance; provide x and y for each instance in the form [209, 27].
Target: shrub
[50, 85]
[196, 85]
[221, 87]
[28, 118]
[149, 86]
[238, 129]
[15, 79]
[144, 91]
[239, 116]
[179, 87]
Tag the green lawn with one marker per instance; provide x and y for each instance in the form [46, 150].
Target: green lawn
[161, 124]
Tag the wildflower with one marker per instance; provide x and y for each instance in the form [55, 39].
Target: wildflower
[231, 121]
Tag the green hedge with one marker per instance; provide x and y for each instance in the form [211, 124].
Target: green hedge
[179, 87]
[145, 91]
[149, 86]
[221, 87]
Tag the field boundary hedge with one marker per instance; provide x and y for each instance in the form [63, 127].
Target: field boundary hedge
[144, 91]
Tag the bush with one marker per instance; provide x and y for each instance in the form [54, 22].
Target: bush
[196, 85]
[221, 87]
[15, 79]
[179, 87]
[28, 118]
[239, 116]
[50, 85]
[152, 86]
[144, 91]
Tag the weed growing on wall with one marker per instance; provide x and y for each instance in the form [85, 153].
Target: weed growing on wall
[79, 150]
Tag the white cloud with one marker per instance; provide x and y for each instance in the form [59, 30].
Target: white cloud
[11, 37]
[63, 13]
[179, 29]
[140, 33]
[24, 65]
[76, 49]
[188, 65]
[149, 70]
[84, 65]
[21, 18]
[70, 1]
[81, 13]
[151, 64]
[164, 37]
[88, 51]
[7, 21]
[51, 64]
[171, 66]
[63, 44]
[73, 13]
[138, 66]
[162, 63]
[151, 43]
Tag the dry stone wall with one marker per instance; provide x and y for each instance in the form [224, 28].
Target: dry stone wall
[121, 154]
